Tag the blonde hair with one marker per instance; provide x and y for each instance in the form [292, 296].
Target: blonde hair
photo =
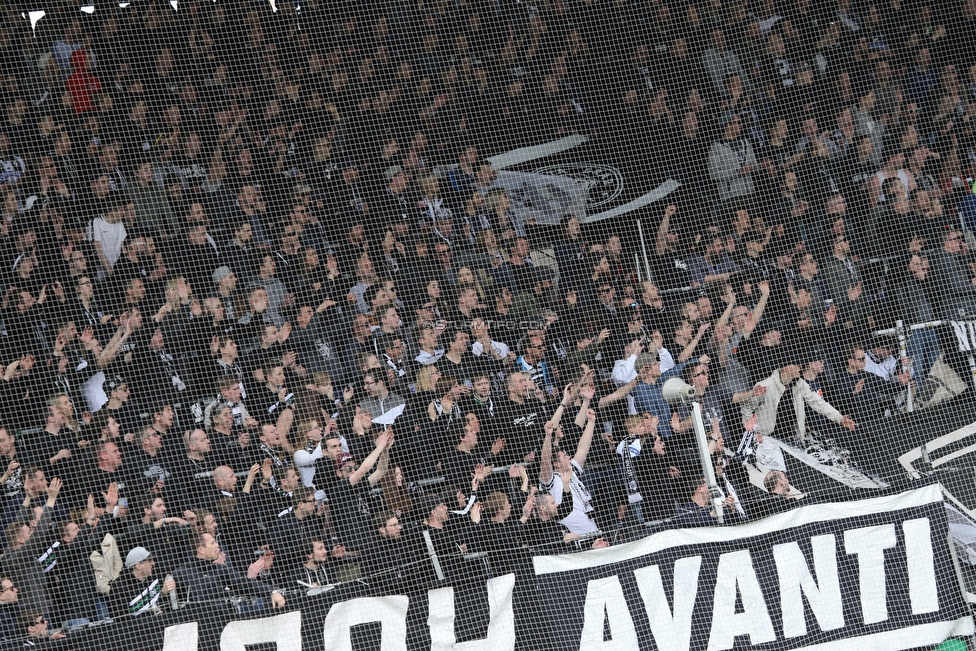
[426, 185]
[423, 382]
[299, 435]
[494, 198]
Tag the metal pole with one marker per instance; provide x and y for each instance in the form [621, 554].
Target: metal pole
[706, 460]
[647, 265]
[433, 556]
[902, 354]
[972, 369]
[637, 266]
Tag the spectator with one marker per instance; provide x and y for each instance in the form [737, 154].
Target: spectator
[731, 162]
[34, 626]
[193, 475]
[647, 397]
[913, 296]
[314, 572]
[350, 496]
[295, 526]
[26, 543]
[206, 579]
[843, 280]
[712, 398]
[10, 608]
[136, 591]
[168, 535]
[106, 233]
[950, 272]
[551, 477]
[380, 400]
[781, 499]
[392, 550]
[698, 511]
[766, 396]
[720, 62]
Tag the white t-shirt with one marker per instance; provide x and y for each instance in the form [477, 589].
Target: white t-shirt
[579, 521]
[110, 235]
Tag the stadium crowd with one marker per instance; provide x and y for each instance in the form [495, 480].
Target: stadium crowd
[268, 323]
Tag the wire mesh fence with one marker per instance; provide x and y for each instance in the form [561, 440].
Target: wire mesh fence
[574, 324]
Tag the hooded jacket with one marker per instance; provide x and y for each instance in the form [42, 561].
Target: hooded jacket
[81, 84]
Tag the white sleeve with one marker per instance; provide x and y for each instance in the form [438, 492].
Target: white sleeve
[667, 360]
[623, 370]
[819, 404]
[304, 458]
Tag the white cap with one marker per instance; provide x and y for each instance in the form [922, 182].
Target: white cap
[136, 555]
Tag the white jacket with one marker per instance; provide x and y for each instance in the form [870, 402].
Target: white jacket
[765, 406]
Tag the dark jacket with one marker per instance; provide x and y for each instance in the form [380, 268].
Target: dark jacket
[202, 580]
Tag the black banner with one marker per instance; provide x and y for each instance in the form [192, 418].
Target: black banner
[876, 573]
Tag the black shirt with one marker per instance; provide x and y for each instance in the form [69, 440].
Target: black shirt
[352, 513]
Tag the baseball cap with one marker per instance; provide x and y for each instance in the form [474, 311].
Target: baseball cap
[136, 555]
[219, 274]
[430, 502]
[645, 359]
[392, 171]
[343, 458]
[112, 383]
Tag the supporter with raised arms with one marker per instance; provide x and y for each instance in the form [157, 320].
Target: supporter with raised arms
[580, 520]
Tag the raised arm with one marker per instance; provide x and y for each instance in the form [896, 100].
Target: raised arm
[545, 456]
[382, 441]
[690, 348]
[583, 449]
[252, 473]
[619, 394]
[587, 394]
[115, 343]
[569, 395]
[660, 242]
[723, 320]
[383, 465]
[758, 312]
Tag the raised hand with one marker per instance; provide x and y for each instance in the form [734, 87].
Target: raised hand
[254, 569]
[587, 392]
[385, 440]
[112, 495]
[568, 393]
[53, 488]
[11, 467]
